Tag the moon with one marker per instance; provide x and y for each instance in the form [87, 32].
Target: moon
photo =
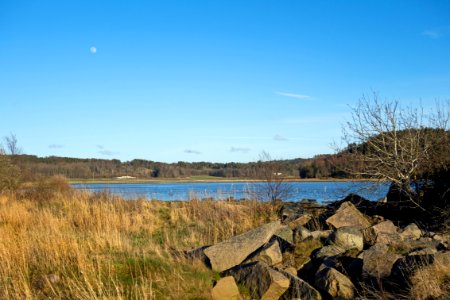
[93, 50]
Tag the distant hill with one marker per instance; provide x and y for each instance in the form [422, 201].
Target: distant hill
[320, 166]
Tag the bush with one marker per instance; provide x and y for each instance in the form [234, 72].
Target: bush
[9, 175]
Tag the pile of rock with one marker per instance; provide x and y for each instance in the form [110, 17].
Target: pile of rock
[322, 255]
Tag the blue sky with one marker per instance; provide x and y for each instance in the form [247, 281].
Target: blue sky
[209, 80]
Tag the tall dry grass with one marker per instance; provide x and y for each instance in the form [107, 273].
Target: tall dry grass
[80, 245]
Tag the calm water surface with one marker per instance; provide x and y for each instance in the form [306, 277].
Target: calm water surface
[320, 191]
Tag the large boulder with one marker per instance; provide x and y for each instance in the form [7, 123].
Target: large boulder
[232, 252]
[347, 238]
[411, 232]
[301, 234]
[225, 289]
[299, 289]
[285, 233]
[269, 254]
[382, 232]
[348, 216]
[262, 281]
[378, 261]
[328, 251]
[334, 283]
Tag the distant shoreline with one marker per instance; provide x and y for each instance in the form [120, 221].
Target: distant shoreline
[199, 180]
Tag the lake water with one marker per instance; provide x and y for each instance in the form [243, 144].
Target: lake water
[320, 191]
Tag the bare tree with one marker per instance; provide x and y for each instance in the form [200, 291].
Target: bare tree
[11, 144]
[275, 186]
[395, 144]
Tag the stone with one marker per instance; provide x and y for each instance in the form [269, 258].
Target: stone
[348, 215]
[285, 233]
[381, 232]
[321, 234]
[291, 270]
[328, 251]
[262, 281]
[234, 251]
[225, 289]
[378, 261]
[269, 254]
[334, 283]
[300, 221]
[301, 234]
[299, 289]
[411, 232]
[347, 238]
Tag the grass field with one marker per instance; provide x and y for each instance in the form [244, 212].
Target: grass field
[80, 245]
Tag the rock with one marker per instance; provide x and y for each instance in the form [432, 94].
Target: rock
[269, 254]
[262, 281]
[382, 232]
[300, 221]
[321, 234]
[301, 234]
[411, 232]
[291, 270]
[232, 252]
[347, 238]
[285, 233]
[348, 216]
[299, 289]
[225, 289]
[378, 262]
[335, 284]
[328, 251]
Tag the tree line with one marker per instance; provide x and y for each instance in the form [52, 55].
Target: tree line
[320, 166]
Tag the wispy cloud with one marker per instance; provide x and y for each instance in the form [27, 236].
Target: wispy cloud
[100, 147]
[55, 146]
[239, 149]
[107, 152]
[279, 138]
[432, 33]
[436, 32]
[190, 151]
[292, 95]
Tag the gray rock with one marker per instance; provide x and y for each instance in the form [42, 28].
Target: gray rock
[382, 229]
[334, 283]
[225, 289]
[269, 254]
[378, 261]
[321, 234]
[328, 251]
[301, 234]
[348, 216]
[411, 232]
[232, 252]
[347, 238]
[262, 281]
[285, 233]
[299, 289]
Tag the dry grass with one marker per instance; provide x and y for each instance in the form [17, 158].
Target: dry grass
[431, 282]
[79, 245]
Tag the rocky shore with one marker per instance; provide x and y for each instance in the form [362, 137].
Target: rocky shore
[351, 249]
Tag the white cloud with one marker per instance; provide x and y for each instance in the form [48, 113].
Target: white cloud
[55, 146]
[190, 151]
[279, 138]
[239, 149]
[93, 50]
[292, 95]
[107, 152]
[434, 34]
